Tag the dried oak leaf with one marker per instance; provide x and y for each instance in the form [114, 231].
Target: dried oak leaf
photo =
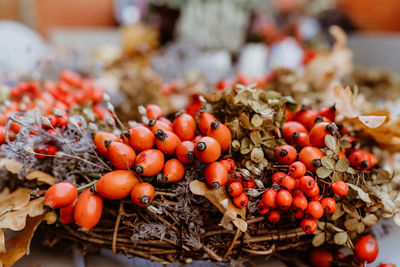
[15, 200]
[15, 219]
[21, 242]
[220, 198]
[13, 166]
[344, 100]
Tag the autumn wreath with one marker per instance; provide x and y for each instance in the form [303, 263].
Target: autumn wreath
[251, 173]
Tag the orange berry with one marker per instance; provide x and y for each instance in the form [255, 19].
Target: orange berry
[328, 112]
[229, 164]
[67, 213]
[221, 133]
[311, 157]
[301, 139]
[235, 189]
[249, 183]
[142, 194]
[153, 111]
[309, 225]
[274, 216]
[340, 188]
[291, 129]
[185, 152]
[329, 205]
[141, 138]
[241, 201]
[261, 209]
[321, 258]
[366, 249]
[297, 169]
[116, 184]
[149, 162]
[277, 177]
[216, 175]
[184, 126]
[319, 131]
[166, 141]
[300, 203]
[173, 171]
[269, 198]
[155, 125]
[99, 139]
[60, 195]
[288, 182]
[306, 183]
[284, 199]
[205, 121]
[313, 192]
[314, 209]
[285, 154]
[207, 149]
[120, 155]
[306, 117]
[298, 214]
[88, 209]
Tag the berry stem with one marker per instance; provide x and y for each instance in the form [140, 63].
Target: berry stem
[87, 185]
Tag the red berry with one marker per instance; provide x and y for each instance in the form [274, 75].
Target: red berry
[314, 209]
[274, 216]
[366, 249]
[329, 205]
[285, 154]
[297, 169]
[309, 225]
[340, 188]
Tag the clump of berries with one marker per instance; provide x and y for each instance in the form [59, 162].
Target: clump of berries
[298, 191]
[157, 150]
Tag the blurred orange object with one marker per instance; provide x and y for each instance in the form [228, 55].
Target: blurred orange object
[73, 13]
[372, 15]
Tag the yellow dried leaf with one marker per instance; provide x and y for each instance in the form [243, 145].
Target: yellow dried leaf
[13, 166]
[344, 100]
[14, 201]
[2, 244]
[21, 242]
[372, 121]
[40, 176]
[15, 220]
[220, 198]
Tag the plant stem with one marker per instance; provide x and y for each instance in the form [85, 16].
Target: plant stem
[87, 185]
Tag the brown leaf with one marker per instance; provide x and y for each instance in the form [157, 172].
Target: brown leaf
[318, 239]
[370, 220]
[342, 165]
[15, 200]
[21, 242]
[344, 100]
[330, 142]
[220, 198]
[328, 162]
[396, 219]
[323, 172]
[13, 166]
[363, 195]
[2, 244]
[340, 238]
[15, 220]
[372, 121]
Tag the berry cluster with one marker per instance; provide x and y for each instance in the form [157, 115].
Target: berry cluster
[160, 149]
[298, 191]
[53, 99]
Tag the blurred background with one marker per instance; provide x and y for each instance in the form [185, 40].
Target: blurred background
[170, 51]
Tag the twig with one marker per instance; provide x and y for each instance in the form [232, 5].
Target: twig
[260, 252]
[115, 234]
[212, 253]
[238, 232]
[166, 222]
[166, 194]
[255, 220]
